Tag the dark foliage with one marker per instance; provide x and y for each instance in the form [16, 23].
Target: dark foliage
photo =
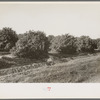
[94, 43]
[98, 45]
[64, 44]
[32, 45]
[50, 39]
[85, 44]
[8, 38]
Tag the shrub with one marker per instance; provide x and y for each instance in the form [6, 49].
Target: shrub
[64, 44]
[94, 43]
[50, 39]
[85, 44]
[8, 38]
[33, 44]
[98, 45]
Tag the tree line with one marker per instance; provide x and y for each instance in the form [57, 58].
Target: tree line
[35, 44]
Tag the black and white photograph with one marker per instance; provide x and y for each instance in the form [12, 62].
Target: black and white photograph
[49, 42]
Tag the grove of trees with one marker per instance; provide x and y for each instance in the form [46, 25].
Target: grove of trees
[35, 44]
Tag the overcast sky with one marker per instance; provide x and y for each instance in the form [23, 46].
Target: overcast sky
[52, 18]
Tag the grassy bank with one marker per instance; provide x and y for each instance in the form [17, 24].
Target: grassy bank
[78, 69]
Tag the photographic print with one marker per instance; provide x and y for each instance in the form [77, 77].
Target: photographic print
[49, 42]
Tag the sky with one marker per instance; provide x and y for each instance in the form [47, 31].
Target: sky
[53, 18]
